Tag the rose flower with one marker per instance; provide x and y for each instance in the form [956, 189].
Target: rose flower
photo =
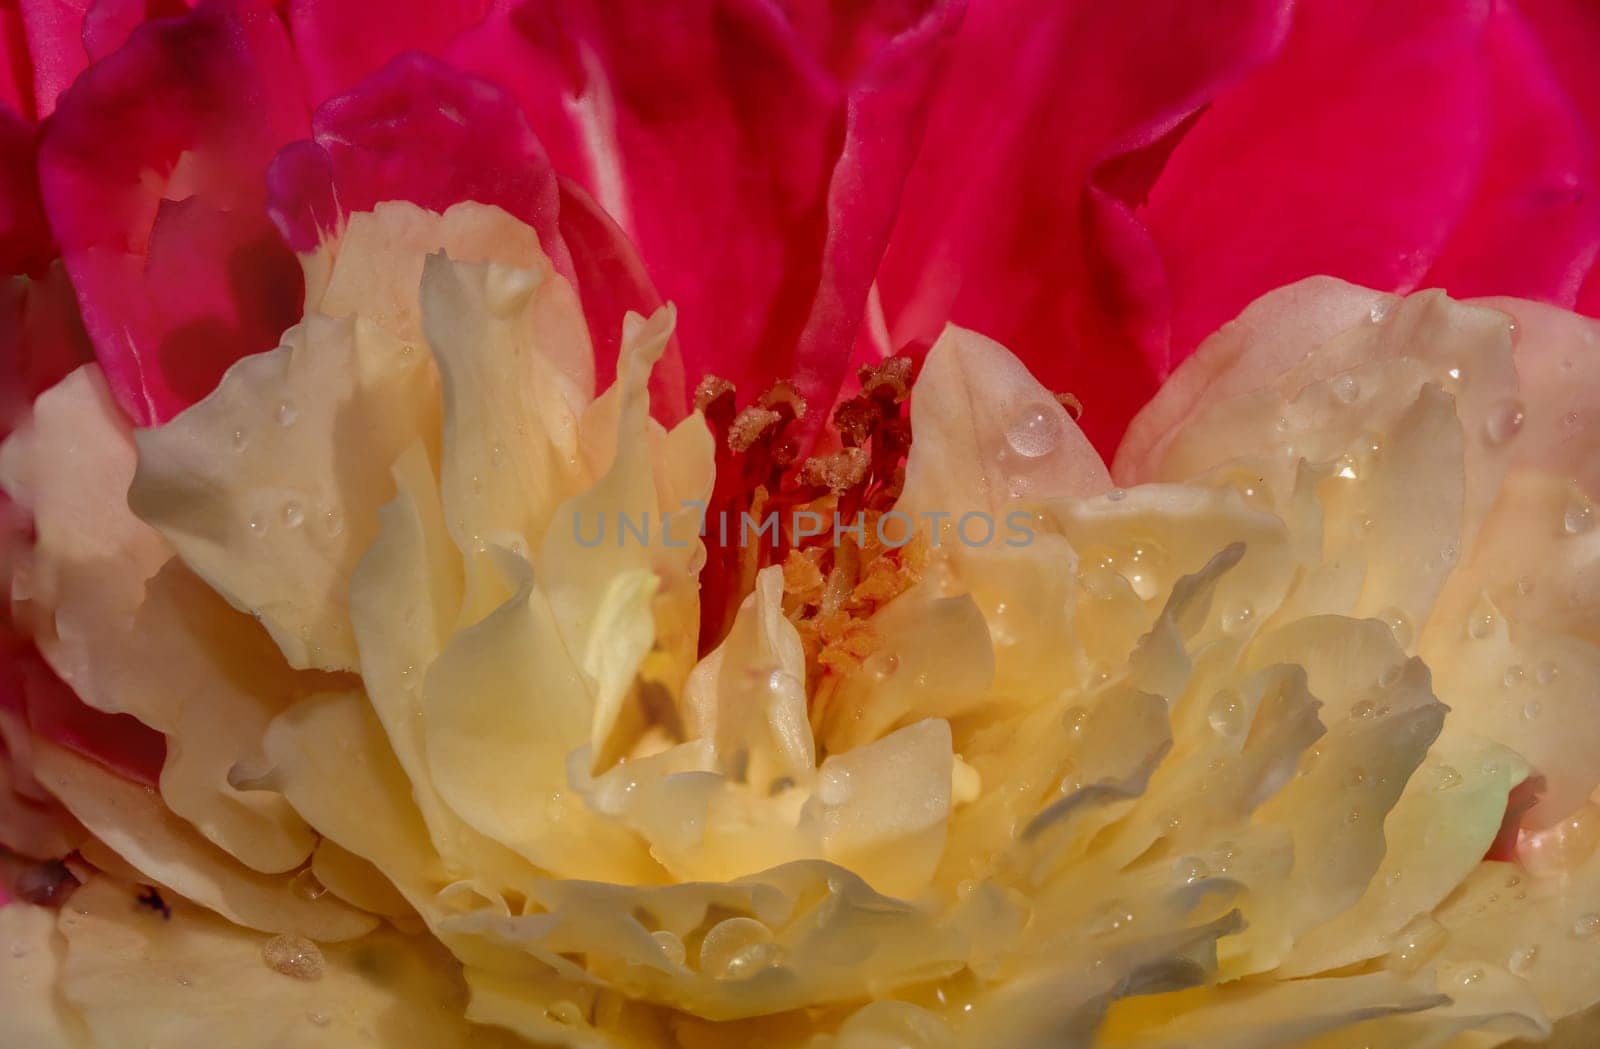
[505, 655]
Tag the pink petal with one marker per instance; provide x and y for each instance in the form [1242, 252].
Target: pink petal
[416, 130]
[120, 742]
[55, 47]
[723, 149]
[16, 69]
[611, 281]
[1533, 226]
[1355, 153]
[1568, 32]
[109, 23]
[41, 340]
[25, 243]
[152, 175]
[340, 41]
[1017, 218]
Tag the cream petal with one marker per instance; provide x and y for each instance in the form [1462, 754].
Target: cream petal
[30, 974]
[987, 433]
[270, 487]
[137, 977]
[131, 820]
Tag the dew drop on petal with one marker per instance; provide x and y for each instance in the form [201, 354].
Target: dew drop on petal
[333, 521]
[306, 886]
[293, 956]
[293, 514]
[1116, 495]
[1416, 942]
[240, 441]
[1035, 431]
[1346, 389]
[287, 413]
[1514, 675]
[1399, 625]
[1505, 421]
[1522, 959]
[1447, 778]
[258, 525]
[1587, 927]
[1531, 710]
[721, 950]
[565, 1012]
[671, 946]
[1470, 977]
[1578, 517]
[1481, 626]
[1546, 672]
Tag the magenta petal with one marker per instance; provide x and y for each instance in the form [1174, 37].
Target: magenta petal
[41, 340]
[121, 743]
[1355, 153]
[1017, 219]
[152, 175]
[421, 131]
[611, 281]
[25, 243]
[340, 41]
[109, 23]
[1533, 227]
[55, 47]
[16, 68]
[721, 147]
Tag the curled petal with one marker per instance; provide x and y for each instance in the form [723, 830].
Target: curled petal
[151, 172]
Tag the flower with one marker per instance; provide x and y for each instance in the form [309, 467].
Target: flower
[325, 718]
[813, 187]
[1222, 749]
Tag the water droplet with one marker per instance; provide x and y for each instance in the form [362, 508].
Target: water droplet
[1380, 310]
[1524, 586]
[1587, 927]
[1353, 816]
[1514, 675]
[726, 941]
[258, 525]
[1416, 942]
[1570, 419]
[306, 886]
[287, 413]
[1074, 718]
[293, 956]
[1399, 625]
[1454, 374]
[1505, 421]
[1391, 676]
[1035, 431]
[1448, 778]
[1192, 869]
[833, 788]
[1546, 672]
[1481, 626]
[1470, 977]
[1116, 495]
[1113, 916]
[565, 1012]
[1238, 619]
[240, 441]
[1364, 709]
[671, 946]
[1578, 517]
[1531, 710]
[1346, 389]
[497, 454]
[1448, 553]
[293, 514]
[1521, 961]
[333, 522]
[881, 665]
[1226, 714]
[318, 1019]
